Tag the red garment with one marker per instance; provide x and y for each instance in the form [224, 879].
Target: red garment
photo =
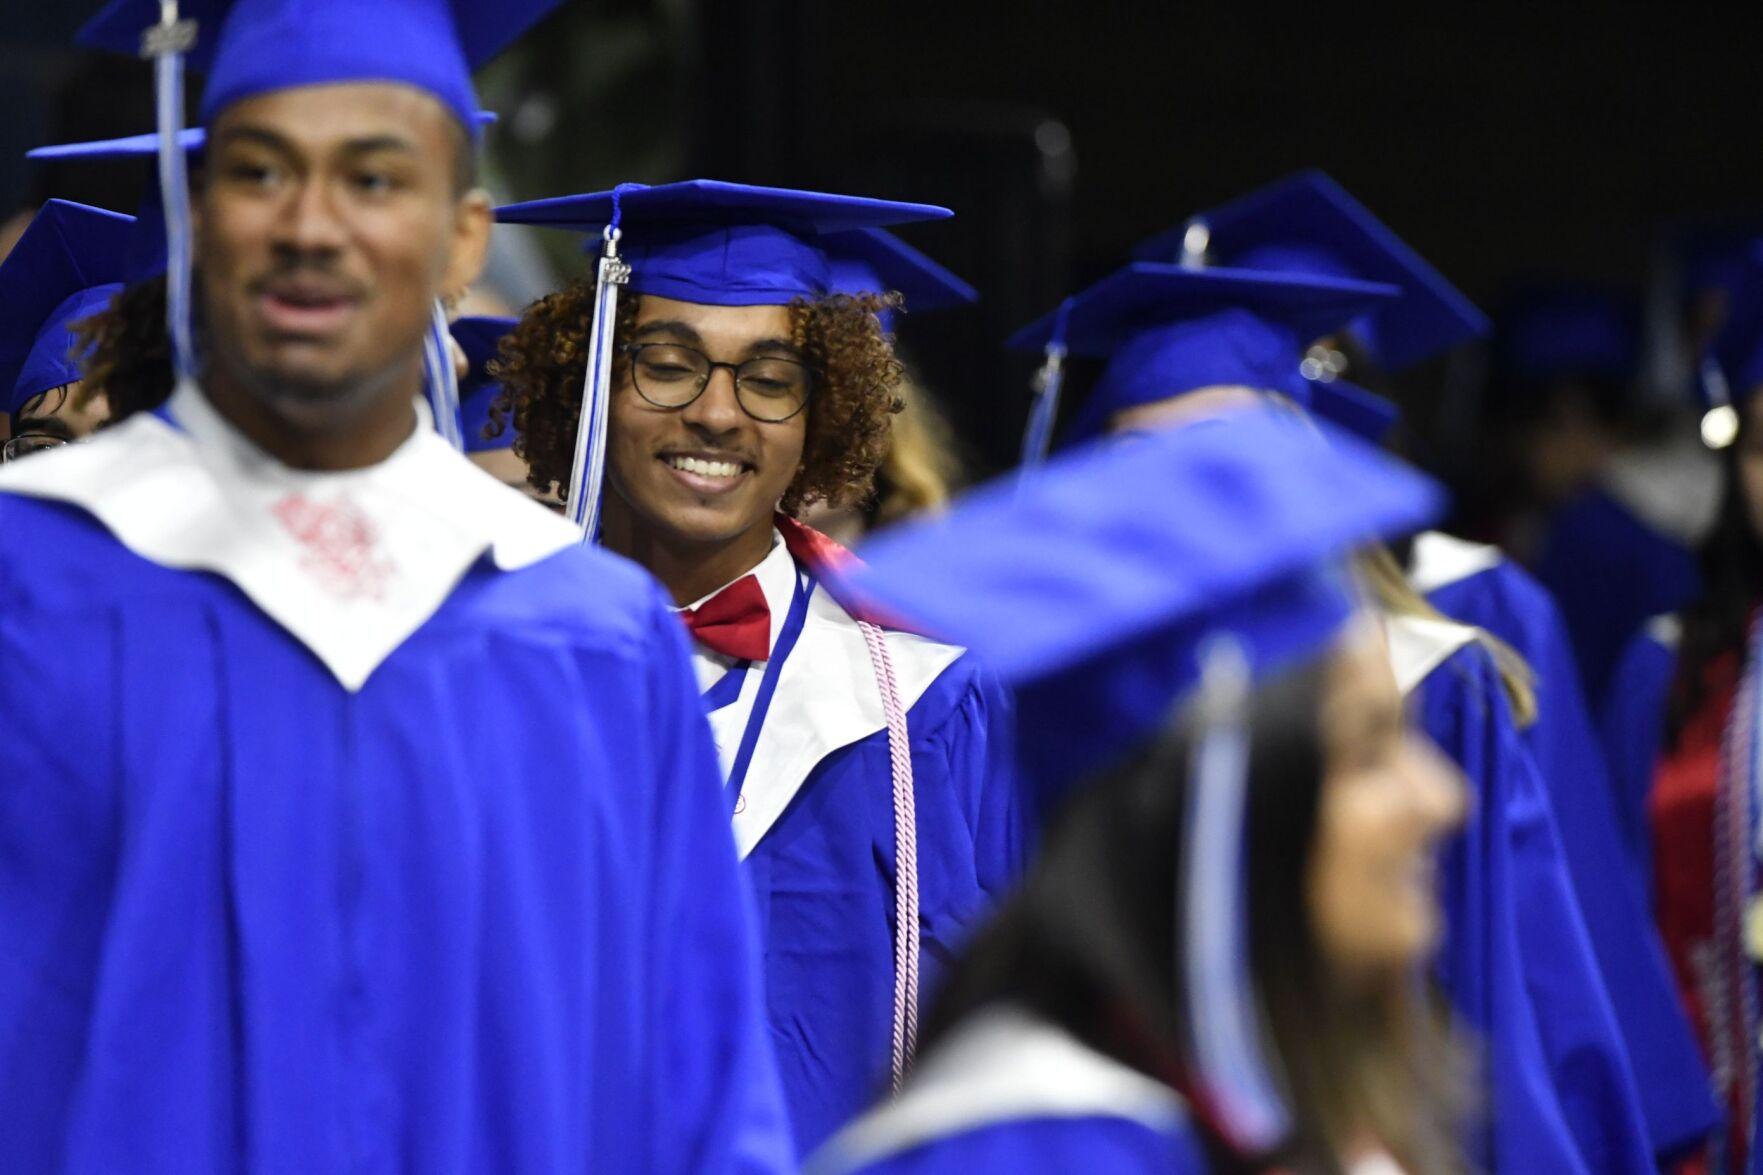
[1683, 818]
[735, 622]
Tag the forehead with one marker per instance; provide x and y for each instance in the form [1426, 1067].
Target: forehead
[731, 326]
[322, 117]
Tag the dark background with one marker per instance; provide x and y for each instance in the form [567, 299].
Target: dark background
[1503, 144]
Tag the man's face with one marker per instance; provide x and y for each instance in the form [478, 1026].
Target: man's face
[55, 417]
[708, 472]
[328, 224]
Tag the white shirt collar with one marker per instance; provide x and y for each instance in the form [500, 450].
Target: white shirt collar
[777, 576]
[350, 563]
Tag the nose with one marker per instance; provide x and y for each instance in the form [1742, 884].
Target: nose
[1437, 790]
[310, 221]
[716, 413]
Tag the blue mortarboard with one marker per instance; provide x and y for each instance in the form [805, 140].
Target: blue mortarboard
[250, 47]
[1732, 369]
[875, 261]
[1309, 224]
[478, 337]
[1564, 332]
[1102, 589]
[1346, 405]
[1166, 330]
[65, 267]
[719, 243]
[146, 252]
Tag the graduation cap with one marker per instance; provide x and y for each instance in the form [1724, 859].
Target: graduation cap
[65, 267]
[1550, 333]
[478, 337]
[1309, 224]
[1167, 330]
[1100, 590]
[1732, 369]
[251, 47]
[875, 261]
[703, 241]
[145, 256]
[1348, 406]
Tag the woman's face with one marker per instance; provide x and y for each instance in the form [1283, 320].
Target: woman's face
[1387, 799]
[1750, 463]
[1201, 404]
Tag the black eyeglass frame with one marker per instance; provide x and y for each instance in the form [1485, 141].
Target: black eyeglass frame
[631, 350]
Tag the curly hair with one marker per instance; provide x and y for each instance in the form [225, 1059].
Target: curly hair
[128, 356]
[542, 362]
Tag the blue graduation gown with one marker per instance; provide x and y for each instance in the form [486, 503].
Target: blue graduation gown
[481, 915]
[1517, 962]
[1632, 727]
[823, 876]
[1675, 1094]
[1610, 572]
[1056, 1146]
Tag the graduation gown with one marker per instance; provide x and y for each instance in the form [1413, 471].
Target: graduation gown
[354, 821]
[1632, 732]
[1610, 572]
[1007, 1091]
[814, 822]
[1517, 962]
[1479, 586]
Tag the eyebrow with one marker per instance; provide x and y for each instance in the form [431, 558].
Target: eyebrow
[364, 145]
[49, 426]
[688, 334]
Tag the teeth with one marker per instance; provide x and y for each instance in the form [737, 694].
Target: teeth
[704, 468]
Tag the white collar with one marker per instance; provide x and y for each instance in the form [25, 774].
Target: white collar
[1439, 560]
[1419, 644]
[349, 563]
[1004, 1065]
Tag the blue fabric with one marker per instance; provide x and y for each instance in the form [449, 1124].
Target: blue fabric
[1517, 962]
[823, 876]
[478, 338]
[1117, 1146]
[721, 244]
[64, 267]
[1610, 573]
[1661, 1044]
[483, 915]
[875, 261]
[1632, 725]
[1366, 415]
[1738, 348]
[1077, 594]
[1563, 332]
[251, 47]
[1309, 224]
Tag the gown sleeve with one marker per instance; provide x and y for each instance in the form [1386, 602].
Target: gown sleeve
[1632, 730]
[1517, 962]
[715, 1104]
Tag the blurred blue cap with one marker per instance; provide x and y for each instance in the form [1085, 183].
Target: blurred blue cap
[1091, 587]
[65, 267]
[1737, 350]
[251, 47]
[145, 255]
[1348, 406]
[721, 244]
[1309, 224]
[1167, 330]
[478, 337]
[1551, 333]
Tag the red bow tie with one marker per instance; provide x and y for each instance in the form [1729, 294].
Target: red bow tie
[735, 622]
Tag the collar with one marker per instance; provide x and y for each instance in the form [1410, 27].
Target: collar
[776, 574]
[1419, 645]
[349, 563]
[1003, 1065]
[1440, 560]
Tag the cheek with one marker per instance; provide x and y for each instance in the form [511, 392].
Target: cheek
[1369, 886]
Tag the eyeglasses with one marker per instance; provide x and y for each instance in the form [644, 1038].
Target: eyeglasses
[669, 375]
[27, 443]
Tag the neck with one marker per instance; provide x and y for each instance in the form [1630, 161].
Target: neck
[350, 429]
[689, 569]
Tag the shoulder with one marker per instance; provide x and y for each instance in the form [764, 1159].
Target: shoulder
[1420, 645]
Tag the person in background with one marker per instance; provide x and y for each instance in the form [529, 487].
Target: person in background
[871, 802]
[490, 448]
[1307, 224]
[1130, 1009]
[1184, 345]
[922, 467]
[387, 832]
[66, 267]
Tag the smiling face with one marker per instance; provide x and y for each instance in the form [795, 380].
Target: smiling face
[707, 475]
[1388, 797]
[329, 221]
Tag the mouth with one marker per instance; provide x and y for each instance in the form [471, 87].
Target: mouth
[308, 309]
[706, 473]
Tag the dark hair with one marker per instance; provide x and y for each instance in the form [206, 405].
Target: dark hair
[128, 355]
[1731, 558]
[856, 390]
[1091, 943]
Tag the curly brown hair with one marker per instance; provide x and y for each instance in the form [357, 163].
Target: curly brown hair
[128, 356]
[542, 362]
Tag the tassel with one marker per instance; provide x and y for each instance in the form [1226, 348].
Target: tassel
[442, 382]
[165, 44]
[588, 472]
[1233, 1069]
[1047, 383]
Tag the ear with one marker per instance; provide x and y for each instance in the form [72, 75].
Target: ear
[473, 215]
